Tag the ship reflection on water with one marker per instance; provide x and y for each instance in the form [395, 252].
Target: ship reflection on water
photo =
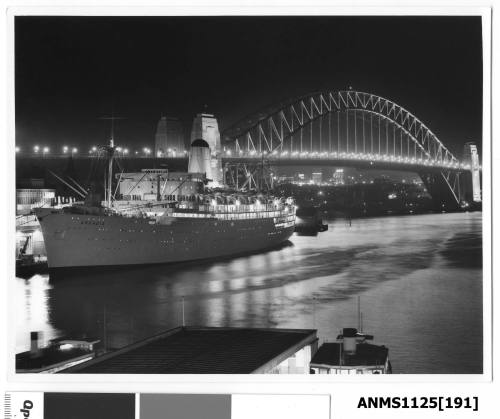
[419, 277]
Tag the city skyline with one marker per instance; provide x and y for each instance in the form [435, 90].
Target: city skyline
[77, 69]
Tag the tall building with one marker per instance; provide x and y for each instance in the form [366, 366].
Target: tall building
[169, 138]
[206, 128]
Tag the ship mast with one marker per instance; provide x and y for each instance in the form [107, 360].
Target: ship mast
[110, 149]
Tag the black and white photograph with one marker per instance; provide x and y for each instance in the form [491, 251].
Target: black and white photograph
[249, 194]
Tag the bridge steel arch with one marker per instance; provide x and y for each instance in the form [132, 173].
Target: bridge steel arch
[266, 133]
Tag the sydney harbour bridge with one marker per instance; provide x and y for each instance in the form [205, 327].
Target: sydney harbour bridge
[350, 128]
[334, 128]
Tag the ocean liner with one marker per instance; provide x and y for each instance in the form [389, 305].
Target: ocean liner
[160, 224]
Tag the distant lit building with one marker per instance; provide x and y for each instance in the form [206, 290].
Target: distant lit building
[27, 199]
[169, 138]
[317, 178]
[338, 177]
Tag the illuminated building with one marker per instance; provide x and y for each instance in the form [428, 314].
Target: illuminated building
[338, 177]
[317, 178]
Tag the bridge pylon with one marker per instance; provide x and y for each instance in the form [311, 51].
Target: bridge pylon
[471, 184]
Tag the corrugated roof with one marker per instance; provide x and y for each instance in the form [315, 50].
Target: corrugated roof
[192, 350]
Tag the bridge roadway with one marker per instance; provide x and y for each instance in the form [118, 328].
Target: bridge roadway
[361, 161]
[83, 168]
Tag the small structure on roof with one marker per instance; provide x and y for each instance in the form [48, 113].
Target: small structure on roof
[60, 354]
[351, 354]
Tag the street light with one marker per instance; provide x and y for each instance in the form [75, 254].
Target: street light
[18, 149]
[125, 151]
[74, 150]
[36, 149]
[65, 149]
[45, 151]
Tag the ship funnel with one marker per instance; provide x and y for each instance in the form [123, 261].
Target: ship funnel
[199, 158]
[349, 340]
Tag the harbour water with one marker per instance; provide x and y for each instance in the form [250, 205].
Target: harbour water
[419, 278]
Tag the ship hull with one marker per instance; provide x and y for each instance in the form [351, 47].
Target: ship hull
[79, 240]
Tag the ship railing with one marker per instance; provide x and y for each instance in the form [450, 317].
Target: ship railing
[284, 213]
[233, 208]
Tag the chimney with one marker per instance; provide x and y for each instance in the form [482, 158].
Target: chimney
[35, 351]
[349, 340]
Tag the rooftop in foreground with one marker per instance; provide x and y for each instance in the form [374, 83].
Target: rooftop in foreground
[203, 350]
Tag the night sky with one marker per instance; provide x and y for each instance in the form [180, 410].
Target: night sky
[72, 70]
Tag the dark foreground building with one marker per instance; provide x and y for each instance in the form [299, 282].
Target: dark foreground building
[211, 350]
